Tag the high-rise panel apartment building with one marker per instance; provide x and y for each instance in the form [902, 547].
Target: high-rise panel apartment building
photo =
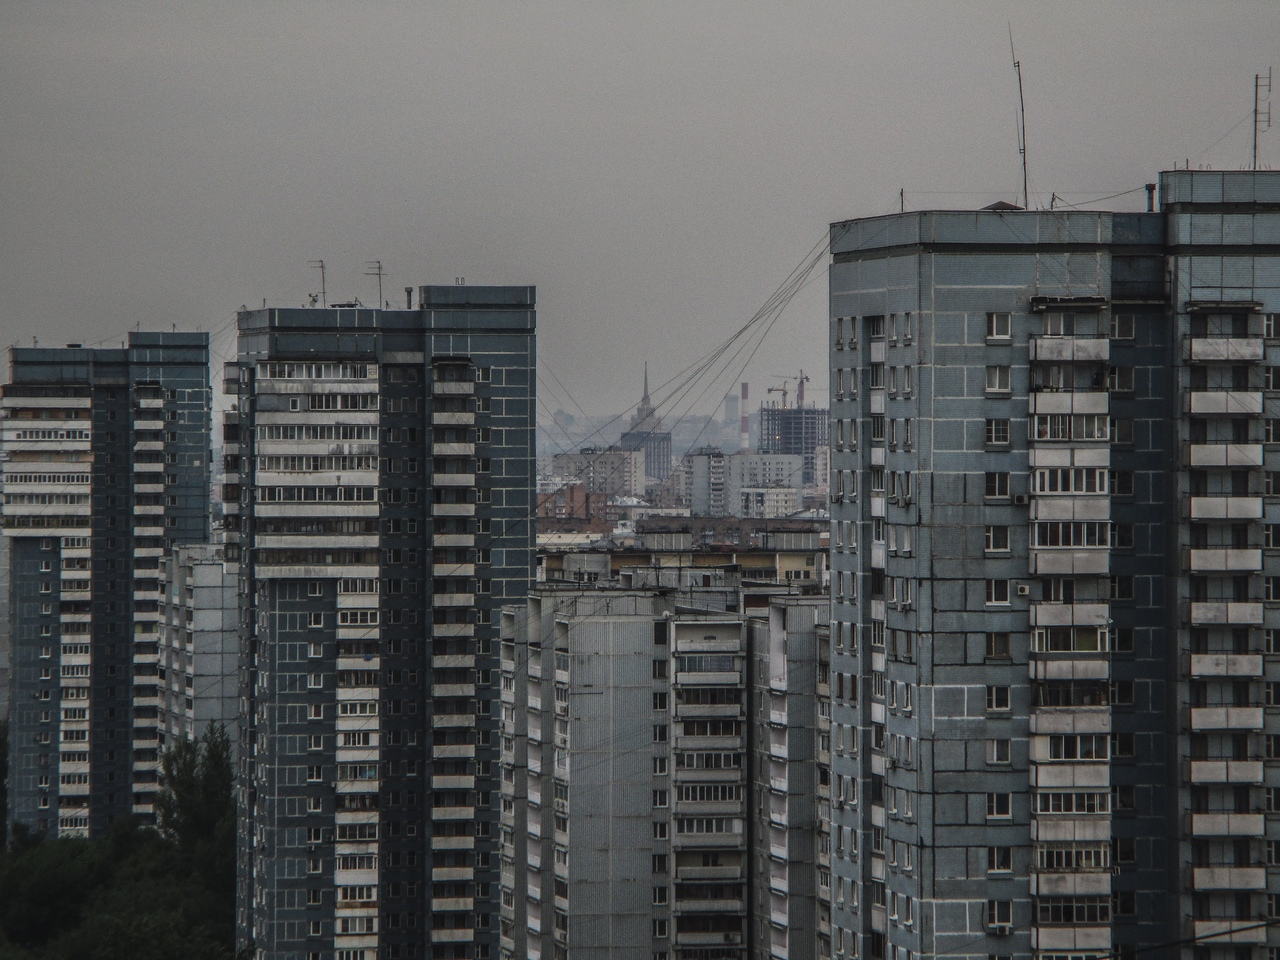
[1054, 600]
[384, 473]
[662, 795]
[105, 467]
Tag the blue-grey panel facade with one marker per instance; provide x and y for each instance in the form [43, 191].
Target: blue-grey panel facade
[106, 466]
[384, 475]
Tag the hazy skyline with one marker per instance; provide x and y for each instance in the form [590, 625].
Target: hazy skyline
[655, 170]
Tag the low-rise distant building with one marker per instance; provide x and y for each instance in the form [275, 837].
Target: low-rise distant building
[572, 501]
[613, 471]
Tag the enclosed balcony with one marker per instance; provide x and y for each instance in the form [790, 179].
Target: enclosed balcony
[1228, 825]
[1222, 349]
[1226, 508]
[1226, 455]
[1226, 718]
[1225, 403]
[1230, 878]
[1226, 665]
[1223, 559]
[1234, 613]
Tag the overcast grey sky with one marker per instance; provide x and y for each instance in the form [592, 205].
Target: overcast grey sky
[655, 169]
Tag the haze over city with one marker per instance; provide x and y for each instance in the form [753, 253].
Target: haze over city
[656, 171]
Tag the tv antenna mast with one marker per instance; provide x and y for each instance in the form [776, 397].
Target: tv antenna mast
[1022, 120]
[1261, 122]
[324, 295]
[375, 270]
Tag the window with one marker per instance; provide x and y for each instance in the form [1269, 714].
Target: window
[999, 379]
[999, 859]
[997, 646]
[999, 806]
[998, 696]
[999, 913]
[997, 486]
[1120, 380]
[999, 751]
[1122, 588]
[1122, 326]
[1271, 325]
[997, 539]
[997, 434]
[997, 591]
[999, 326]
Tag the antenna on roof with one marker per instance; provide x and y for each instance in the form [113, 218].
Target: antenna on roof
[324, 295]
[375, 270]
[1022, 121]
[1258, 118]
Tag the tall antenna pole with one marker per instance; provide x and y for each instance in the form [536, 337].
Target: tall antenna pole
[1022, 121]
[1258, 119]
[324, 294]
[375, 270]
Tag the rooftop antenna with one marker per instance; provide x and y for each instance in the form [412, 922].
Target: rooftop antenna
[319, 265]
[1258, 118]
[375, 270]
[1022, 120]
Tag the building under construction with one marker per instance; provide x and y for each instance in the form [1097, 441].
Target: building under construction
[799, 430]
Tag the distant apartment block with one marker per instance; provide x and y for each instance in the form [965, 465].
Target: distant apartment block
[613, 471]
[1055, 601]
[753, 485]
[382, 504]
[199, 649]
[105, 456]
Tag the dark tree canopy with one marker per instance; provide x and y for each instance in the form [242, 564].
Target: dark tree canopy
[138, 893]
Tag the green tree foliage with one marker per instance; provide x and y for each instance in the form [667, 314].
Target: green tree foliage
[138, 893]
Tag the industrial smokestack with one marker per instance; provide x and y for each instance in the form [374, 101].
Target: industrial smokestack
[744, 423]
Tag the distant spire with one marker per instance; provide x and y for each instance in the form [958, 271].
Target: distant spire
[645, 417]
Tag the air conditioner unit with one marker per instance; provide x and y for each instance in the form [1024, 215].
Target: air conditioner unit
[1024, 590]
[1021, 499]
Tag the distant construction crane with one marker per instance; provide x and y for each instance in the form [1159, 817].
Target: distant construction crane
[785, 388]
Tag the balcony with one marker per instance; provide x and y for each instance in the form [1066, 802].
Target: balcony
[1070, 349]
[1068, 561]
[1237, 613]
[1223, 349]
[1223, 559]
[1226, 718]
[1226, 455]
[1230, 931]
[1226, 771]
[1230, 878]
[1226, 508]
[1228, 825]
[1069, 402]
[1069, 614]
[1226, 665]
[1225, 403]
[1096, 939]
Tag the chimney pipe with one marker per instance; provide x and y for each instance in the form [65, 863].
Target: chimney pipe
[408, 298]
[1151, 198]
